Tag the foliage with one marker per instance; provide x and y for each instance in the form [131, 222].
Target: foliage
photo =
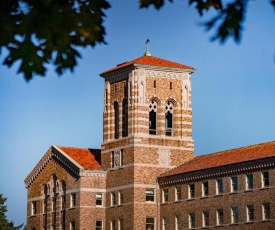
[36, 33]
[4, 223]
[41, 32]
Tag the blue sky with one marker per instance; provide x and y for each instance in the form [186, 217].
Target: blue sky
[233, 88]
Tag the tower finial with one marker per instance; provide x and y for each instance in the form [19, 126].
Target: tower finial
[147, 53]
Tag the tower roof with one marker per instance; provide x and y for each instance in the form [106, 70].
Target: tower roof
[149, 61]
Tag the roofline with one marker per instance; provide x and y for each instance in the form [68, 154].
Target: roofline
[153, 67]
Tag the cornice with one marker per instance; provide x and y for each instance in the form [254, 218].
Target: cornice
[52, 154]
[218, 172]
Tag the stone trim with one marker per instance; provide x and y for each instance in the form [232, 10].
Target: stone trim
[218, 172]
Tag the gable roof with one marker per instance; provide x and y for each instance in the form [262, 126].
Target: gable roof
[151, 61]
[228, 157]
[83, 156]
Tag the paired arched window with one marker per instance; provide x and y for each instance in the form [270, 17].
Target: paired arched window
[168, 118]
[153, 117]
[116, 108]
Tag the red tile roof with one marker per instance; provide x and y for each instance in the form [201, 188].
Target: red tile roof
[232, 156]
[150, 60]
[82, 156]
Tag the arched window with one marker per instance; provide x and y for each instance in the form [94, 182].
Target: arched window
[124, 118]
[116, 108]
[153, 118]
[169, 118]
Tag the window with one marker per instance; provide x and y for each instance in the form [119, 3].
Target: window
[124, 118]
[155, 84]
[120, 197]
[171, 85]
[54, 204]
[249, 181]
[72, 225]
[249, 213]
[98, 225]
[205, 219]
[63, 202]
[72, 200]
[99, 199]
[153, 118]
[113, 224]
[191, 188]
[113, 199]
[33, 208]
[234, 215]
[169, 118]
[192, 220]
[219, 217]
[266, 211]
[265, 176]
[113, 159]
[219, 188]
[45, 206]
[150, 195]
[165, 195]
[164, 224]
[120, 224]
[150, 223]
[205, 188]
[177, 223]
[178, 192]
[234, 184]
[116, 108]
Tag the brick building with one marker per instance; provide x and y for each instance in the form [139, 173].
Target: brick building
[145, 175]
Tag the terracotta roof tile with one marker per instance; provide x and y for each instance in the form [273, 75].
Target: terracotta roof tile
[232, 156]
[150, 60]
[83, 156]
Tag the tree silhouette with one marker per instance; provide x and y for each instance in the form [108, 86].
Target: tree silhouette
[4, 223]
[36, 33]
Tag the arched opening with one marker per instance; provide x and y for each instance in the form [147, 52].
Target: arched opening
[169, 119]
[116, 108]
[124, 118]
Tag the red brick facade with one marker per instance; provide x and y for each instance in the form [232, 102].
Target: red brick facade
[130, 183]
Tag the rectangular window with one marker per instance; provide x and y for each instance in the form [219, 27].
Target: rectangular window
[266, 211]
[120, 197]
[63, 203]
[234, 184]
[150, 223]
[205, 188]
[120, 224]
[219, 186]
[192, 220]
[205, 219]
[249, 181]
[191, 193]
[178, 192]
[171, 85]
[33, 208]
[45, 206]
[72, 225]
[54, 204]
[249, 213]
[164, 195]
[113, 159]
[113, 225]
[99, 225]
[72, 200]
[113, 198]
[99, 199]
[177, 223]
[164, 223]
[265, 176]
[219, 217]
[150, 195]
[234, 215]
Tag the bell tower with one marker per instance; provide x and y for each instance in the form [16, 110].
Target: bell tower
[147, 131]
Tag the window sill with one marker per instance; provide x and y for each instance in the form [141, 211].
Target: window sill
[33, 215]
[248, 190]
[164, 203]
[250, 222]
[119, 205]
[219, 225]
[267, 220]
[177, 201]
[233, 193]
[204, 197]
[264, 188]
[232, 224]
[71, 208]
[189, 199]
[220, 194]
